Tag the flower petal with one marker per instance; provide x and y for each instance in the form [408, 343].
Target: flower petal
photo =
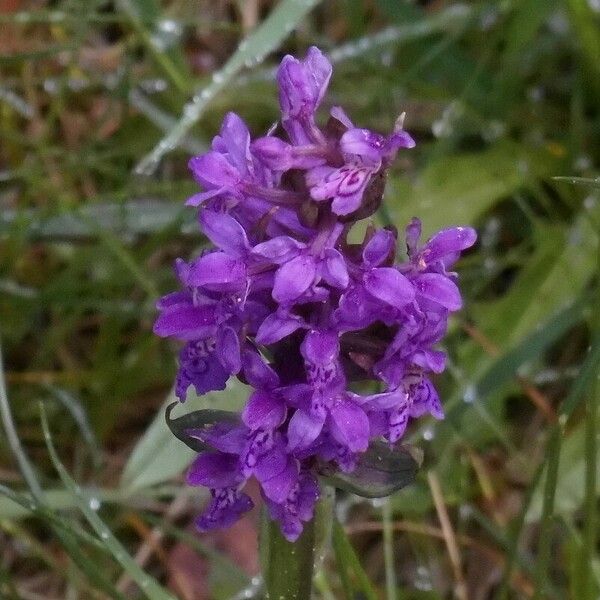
[258, 374]
[389, 285]
[234, 140]
[364, 143]
[279, 249]
[333, 269]
[218, 272]
[302, 84]
[277, 473]
[350, 425]
[225, 508]
[185, 321]
[379, 247]
[440, 289]
[320, 347]
[426, 400]
[264, 410]
[294, 278]
[276, 327]
[214, 470]
[303, 430]
[448, 242]
[228, 349]
[225, 232]
[213, 170]
[198, 366]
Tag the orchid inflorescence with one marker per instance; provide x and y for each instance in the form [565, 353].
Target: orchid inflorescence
[336, 339]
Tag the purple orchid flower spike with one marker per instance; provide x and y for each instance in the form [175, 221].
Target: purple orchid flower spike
[282, 300]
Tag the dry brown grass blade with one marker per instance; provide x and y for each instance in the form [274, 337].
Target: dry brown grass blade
[449, 535]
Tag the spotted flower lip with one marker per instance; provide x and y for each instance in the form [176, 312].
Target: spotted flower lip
[283, 301]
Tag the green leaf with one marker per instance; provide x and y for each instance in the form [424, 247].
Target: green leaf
[526, 20]
[380, 471]
[502, 369]
[187, 428]
[458, 189]
[159, 455]
[558, 270]
[571, 474]
[587, 35]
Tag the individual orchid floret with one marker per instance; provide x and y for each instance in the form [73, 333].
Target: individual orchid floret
[281, 299]
[364, 153]
[302, 85]
[302, 266]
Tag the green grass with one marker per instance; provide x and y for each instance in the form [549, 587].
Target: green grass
[101, 105]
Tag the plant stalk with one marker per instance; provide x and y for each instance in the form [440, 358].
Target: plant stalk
[287, 567]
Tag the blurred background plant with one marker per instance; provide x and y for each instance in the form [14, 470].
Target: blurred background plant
[502, 97]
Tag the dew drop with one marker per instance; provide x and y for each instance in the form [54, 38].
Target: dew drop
[56, 16]
[428, 434]
[171, 26]
[441, 128]
[488, 19]
[495, 129]
[423, 579]
[582, 162]
[22, 17]
[523, 166]
[536, 93]
[470, 394]
[590, 202]
[94, 503]
[50, 86]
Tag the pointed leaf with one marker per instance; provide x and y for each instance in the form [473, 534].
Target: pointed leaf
[381, 471]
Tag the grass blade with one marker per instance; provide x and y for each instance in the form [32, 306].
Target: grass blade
[388, 551]
[13, 438]
[265, 38]
[150, 587]
[543, 559]
[588, 588]
[348, 562]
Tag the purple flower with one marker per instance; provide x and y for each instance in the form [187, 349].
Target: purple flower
[302, 266]
[284, 301]
[302, 85]
[364, 153]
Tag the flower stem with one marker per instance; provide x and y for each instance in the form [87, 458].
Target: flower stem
[287, 566]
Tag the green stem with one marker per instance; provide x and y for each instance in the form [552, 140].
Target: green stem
[287, 566]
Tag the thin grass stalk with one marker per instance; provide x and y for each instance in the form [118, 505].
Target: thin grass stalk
[391, 584]
[13, 439]
[589, 540]
[348, 561]
[544, 555]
